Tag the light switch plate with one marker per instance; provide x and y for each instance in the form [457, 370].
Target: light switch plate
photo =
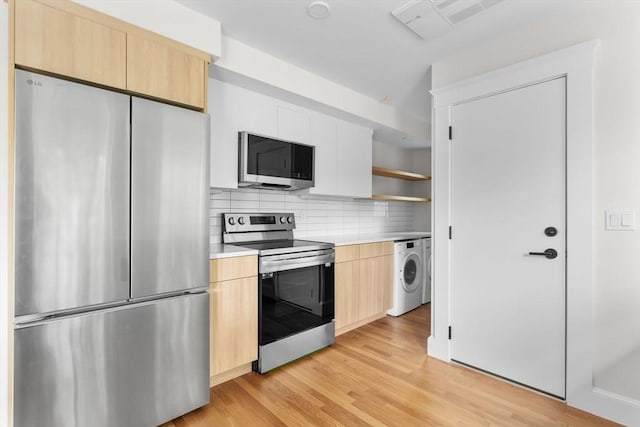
[620, 219]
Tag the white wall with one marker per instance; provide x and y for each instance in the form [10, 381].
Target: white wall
[4, 284]
[317, 217]
[411, 160]
[165, 17]
[617, 156]
[392, 157]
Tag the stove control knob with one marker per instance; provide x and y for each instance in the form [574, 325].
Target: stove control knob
[241, 220]
[283, 220]
[231, 220]
[290, 219]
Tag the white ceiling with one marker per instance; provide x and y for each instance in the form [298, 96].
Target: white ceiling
[361, 45]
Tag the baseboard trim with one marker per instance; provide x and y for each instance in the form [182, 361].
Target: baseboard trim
[359, 323]
[225, 376]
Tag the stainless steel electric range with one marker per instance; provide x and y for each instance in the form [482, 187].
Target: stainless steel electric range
[295, 286]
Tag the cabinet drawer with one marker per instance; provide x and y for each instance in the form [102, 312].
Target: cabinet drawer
[161, 71]
[51, 40]
[347, 253]
[370, 250]
[232, 268]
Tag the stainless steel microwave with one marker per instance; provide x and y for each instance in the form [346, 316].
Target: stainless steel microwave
[276, 164]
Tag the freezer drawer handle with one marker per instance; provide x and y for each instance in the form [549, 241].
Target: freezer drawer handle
[549, 253]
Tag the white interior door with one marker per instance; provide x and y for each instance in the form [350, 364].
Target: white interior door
[508, 186]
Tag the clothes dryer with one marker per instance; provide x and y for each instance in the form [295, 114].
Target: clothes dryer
[426, 294]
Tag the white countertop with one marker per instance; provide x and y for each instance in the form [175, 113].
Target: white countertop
[220, 250]
[356, 239]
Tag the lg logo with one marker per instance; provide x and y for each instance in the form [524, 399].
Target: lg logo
[34, 83]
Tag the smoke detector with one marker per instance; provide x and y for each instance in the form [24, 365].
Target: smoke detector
[318, 10]
[432, 18]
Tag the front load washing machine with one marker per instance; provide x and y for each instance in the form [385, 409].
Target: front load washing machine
[409, 275]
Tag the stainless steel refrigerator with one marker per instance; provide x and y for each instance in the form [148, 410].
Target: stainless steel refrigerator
[111, 244]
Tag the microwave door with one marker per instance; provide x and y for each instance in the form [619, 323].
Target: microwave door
[302, 162]
[270, 163]
[274, 159]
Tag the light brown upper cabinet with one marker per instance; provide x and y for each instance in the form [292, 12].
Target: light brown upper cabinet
[161, 71]
[68, 39]
[52, 40]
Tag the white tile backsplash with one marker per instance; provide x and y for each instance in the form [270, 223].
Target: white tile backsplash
[315, 218]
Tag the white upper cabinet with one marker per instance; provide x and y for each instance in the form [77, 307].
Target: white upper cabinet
[293, 125]
[257, 114]
[322, 135]
[353, 160]
[223, 108]
[343, 150]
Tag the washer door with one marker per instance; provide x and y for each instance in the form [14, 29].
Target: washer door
[411, 273]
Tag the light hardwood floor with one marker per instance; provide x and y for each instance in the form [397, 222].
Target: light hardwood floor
[378, 375]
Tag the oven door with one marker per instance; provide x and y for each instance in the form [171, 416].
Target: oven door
[293, 300]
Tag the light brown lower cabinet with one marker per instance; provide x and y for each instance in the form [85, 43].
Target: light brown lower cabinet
[347, 293]
[363, 284]
[376, 275]
[233, 318]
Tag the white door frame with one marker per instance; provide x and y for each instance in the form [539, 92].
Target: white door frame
[576, 63]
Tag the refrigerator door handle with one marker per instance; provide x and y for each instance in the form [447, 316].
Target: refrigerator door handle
[124, 269]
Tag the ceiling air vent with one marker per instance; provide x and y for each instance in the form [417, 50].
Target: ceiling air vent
[455, 11]
[422, 19]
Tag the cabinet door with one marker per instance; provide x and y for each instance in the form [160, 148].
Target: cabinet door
[52, 40]
[257, 114]
[322, 135]
[376, 280]
[293, 125]
[223, 109]
[387, 281]
[347, 293]
[163, 72]
[353, 163]
[233, 324]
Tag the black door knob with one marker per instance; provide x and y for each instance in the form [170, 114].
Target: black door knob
[550, 231]
[548, 253]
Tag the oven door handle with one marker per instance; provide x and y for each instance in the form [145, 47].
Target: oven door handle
[272, 266]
